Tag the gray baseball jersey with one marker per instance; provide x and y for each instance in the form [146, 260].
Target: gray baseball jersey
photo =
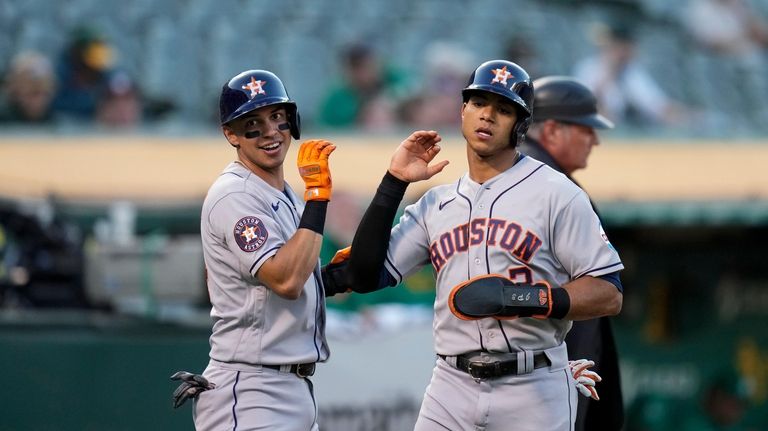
[244, 222]
[531, 224]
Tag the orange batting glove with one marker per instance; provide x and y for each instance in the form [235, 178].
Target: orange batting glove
[314, 170]
[342, 255]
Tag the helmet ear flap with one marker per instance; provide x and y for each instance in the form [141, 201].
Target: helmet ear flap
[294, 120]
[519, 131]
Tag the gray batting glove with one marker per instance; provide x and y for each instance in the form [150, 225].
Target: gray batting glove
[192, 385]
[585, 379]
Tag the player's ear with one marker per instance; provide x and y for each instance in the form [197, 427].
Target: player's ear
[230, 135]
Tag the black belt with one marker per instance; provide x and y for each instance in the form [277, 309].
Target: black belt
[301, 370]
[489, 370]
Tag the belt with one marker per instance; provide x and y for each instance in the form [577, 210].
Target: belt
[301, 370]
[492, 369]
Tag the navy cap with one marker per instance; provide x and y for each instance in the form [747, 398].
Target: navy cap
[565, 99]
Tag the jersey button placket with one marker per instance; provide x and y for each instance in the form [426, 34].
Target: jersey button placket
[478, 251]
[481, 206]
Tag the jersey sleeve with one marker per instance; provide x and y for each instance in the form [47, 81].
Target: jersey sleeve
[580, 243]
[248, 229]
[409, 243]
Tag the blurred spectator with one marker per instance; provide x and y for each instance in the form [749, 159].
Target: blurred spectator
[521, 50]
[737, 36]
[366, 96]
[29, 88]
[723, 405]
[625, 90]
[446, 68]
[119, 106]
[729, 27]
[83, 72]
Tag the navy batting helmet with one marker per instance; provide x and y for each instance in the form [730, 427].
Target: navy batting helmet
[508, 80]
[254, 89]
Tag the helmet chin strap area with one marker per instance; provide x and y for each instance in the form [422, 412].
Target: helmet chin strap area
[257, 133]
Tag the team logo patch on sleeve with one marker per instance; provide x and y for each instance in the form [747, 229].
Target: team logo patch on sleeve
[605, 238]
[250, 233]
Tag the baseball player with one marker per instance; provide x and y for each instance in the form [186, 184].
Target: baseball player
[261, 244]
[563, 131]
[518, 254]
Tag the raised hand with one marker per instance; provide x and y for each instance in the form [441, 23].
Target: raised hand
[412, 158]
[313, 167]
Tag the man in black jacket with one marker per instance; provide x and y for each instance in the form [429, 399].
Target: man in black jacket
[562, 135]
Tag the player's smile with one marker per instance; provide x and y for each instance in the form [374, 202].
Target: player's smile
[268, 152]
[272, 148]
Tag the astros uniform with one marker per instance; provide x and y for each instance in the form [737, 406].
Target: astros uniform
[531, 224]
[257, 335]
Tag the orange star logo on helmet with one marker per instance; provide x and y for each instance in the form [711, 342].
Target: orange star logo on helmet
[501, 75]
[256, 87]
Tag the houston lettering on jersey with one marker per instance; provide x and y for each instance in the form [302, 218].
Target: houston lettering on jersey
[494, 232]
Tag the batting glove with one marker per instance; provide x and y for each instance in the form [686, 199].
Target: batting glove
[342, 255]
[585, 379]
[192, 385]
[313, 168]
